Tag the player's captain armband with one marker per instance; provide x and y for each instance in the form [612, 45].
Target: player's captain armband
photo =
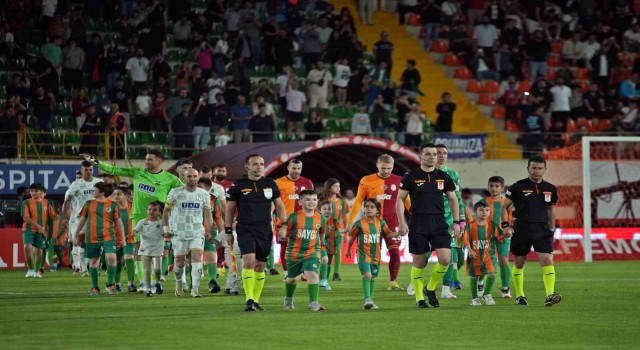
[168, 204]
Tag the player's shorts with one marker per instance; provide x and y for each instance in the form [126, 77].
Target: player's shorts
[37, 240]
[294, 116]
[129, 249]
[428, 233]
[481, 266]
[365, 267]
[393, 242]
[333, 241]
[531, 234]
[183, 246]
[60, 238]
[119, 253]
[255, 239]
[93, 250]
[318, 100]
[457, 256]
[48, 242]
[501, 249]
[210, 245]
[296, 268]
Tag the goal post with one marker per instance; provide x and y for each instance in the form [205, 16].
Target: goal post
[587, 141]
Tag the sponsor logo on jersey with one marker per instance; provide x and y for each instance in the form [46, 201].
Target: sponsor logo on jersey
[190, 205]
[146, 188]
[87, 192]
[293, 196]
[370, 239]
[306, 233]
[383, 197]
[268, 193]
[480, 244]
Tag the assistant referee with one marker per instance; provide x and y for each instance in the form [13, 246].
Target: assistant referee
[252, 197]
[535, 215]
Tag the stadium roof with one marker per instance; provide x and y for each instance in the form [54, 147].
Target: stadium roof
[346, 158]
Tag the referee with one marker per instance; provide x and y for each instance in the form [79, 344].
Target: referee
[535, 215]
[428, 228]
[252, 197]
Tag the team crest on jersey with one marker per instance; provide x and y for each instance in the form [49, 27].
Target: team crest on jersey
[384, 187]
[108, 210]
[157, 183]
[440, 184]
[318, 226]
[268, 193]
[393, 188]
[547, 196]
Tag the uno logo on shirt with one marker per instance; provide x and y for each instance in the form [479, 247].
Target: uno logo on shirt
[190, 205]
[146, 188]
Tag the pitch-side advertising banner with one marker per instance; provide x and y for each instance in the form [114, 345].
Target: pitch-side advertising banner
[56, 178]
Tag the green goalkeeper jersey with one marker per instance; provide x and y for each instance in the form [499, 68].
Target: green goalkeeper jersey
[147, 186]
[447, 211]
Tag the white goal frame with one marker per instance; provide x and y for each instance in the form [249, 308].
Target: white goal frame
[586, 185]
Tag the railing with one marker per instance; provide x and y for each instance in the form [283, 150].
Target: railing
[40, 146]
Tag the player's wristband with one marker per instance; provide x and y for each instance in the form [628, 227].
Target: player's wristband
[504, 224]
[165, 229]
[228, 230]
[456, 222]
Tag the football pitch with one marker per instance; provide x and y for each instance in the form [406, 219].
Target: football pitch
[600, 310]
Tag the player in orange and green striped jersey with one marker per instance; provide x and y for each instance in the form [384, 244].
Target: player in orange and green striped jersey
[369, 232]
[125, 254]
[211, 243]
[479, 239]
[305, 230]
[35, 212]
[496, 188]
[339, 211]
[101, 216]
[332, 237]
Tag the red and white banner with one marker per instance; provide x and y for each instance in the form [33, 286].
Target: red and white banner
[11, 250]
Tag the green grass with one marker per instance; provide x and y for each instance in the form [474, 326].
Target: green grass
[600, 311]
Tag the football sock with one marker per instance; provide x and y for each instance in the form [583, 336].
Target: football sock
[258, 285]
[313, 291]
[50, 254]
[448, 276]
[140, 270]
[394, 264]
[130, 265]
[165, 266]
[94, 277]
[437, 273]
[366, 287]
[456, 277]
[271, 259]
[337, 259]
[248, 282]
[111, 273]
[81, 260]
[118, 272]
[212, 271]
[75, 257]
[30, 263]
[330, 261]
[481, 279]
[417, 280]
[372, 284]
[474, 287]
[324, 270]
[505, 275]
[489, 285]
[196, 275]
[289, 289]
[178, 271]
[549, 279]
[518, 280]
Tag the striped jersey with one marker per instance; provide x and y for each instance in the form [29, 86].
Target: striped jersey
[369, 235]
[216, 212]
[339, 208]
[304, 236]
[102, 217]
[480, 238]
[125, 216]
[39, 210]
[385, 191]
[289, 191]
[496, 210]
[187, 212]
[82, 191]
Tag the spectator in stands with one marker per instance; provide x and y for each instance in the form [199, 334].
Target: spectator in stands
[240, 116]
[486, 37]
[573, 50]
[380, 119]
[576, 103]
[450, 11]
[198, 82]
[406, 6]
[360, 122]
[18, 87]
[282, 51]
[94, 51]
[252, 29]
[378, 75]
[475, 10]
[182, 33]
[594, 103]
[221, 53]
[602, 64]
[90, 130]
[262, 125]
[366, 8]
[101, 101]
[182, 129]
[431, 13]
[537, 50]
[382, 51]
[10, 126]
[43, 73]
[566, 73]
[355, 92]
[21, 110]
[202, 122]
[221, 114]
[612, 102]
[560, 107]
[311, 45]
[122, 96]
[445, 111]
[631, 39]
[319, 88]
[296, 104]
[144, 110]
[215, 84]
[161, 120]
[271, 29]
[411, 80]
[630, 89]
[414, 128]
[113, 64]
[402, 107]
[460, 43]
[138, 70]
[341, 80]
[73, 65]
[533, 129]
[496, 14]
[511, 35]
[53, 53]
[541, 94]
[481, 66]
[41, 108]
[231, 88]
[117, 129]
[222, 139]
[269, 110]
[159, 68]
[313, 127]
[267, 94]
[240, 72]
[175, 103]
[324, 32]
[591, 47]
[79, 106]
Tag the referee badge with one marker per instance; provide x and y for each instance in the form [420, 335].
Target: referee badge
[268, 193]
[547, 196]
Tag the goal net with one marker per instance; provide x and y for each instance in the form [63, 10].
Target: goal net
[598, 212]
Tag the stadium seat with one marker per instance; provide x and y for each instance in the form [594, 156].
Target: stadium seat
[475, 86]
[331, 125]
[603, 124]
[554, 61]
[584, 85]
[498, 113]
[487, 99]
[511, 126]
[452, 60]
[571, 125]
[550, 74]
[491, 86]
[414, 20]
[439, 46]
[524, 86]
[556, 46]
[582, 73]
[463, 73]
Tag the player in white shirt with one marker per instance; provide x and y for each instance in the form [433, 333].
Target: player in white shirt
[182, 219]
[76, 196]
[151, 246]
